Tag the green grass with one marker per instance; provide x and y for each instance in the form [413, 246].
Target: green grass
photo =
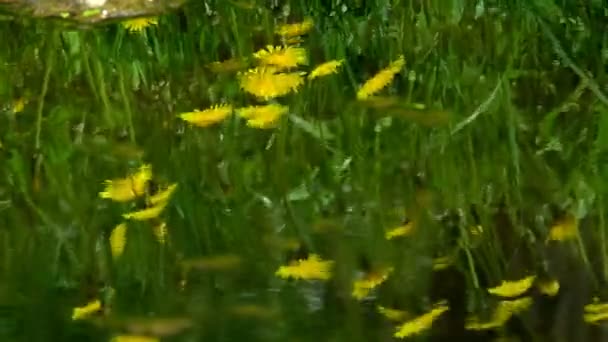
[521, 83]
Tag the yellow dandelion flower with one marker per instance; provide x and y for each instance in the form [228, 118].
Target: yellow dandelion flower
[263, 116]
[549, 287]
[503, 312]
[325, 69]
[596, 306]
[160, 232]
[139, 24]
[145, 214]
[118, 240]
[282, 57]
[381, 79]
[512, 288]
[87, 310]
[207, 117]
[127, 189]
[421, 323]
[134, 338]
[393, 314]
[441, 263]
[163, 196]
[296, 29]
[595, 317]
[400, 231]
[564, 229]
[308, 269]
[363, 286]
[265, 83]
[19, 104]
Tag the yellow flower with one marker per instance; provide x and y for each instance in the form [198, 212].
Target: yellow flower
[127, 189]
[308, 269]
[393, 314]
[296, 29]
[442, 263]
[564, 229]
[118, 240]
[512, 288]
[421, 323]
[596, 307]
[160, 232]
[134, 338]
[282, 57]
[503, 312]
[263, 116]
[163, 196]
[19, 104]
[381, 79]
[145, 214]
[548, 287]
[400, 231]
[208, 116]
[363, 286]
[87, 310]
[265, 83]
[139, 24]
[325, 69]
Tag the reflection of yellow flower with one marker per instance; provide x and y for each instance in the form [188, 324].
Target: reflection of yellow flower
[564, 229]
[308, 269]
[548, 287]
[134, 338]
[380, 80]
[392, 314]
[503, 312]
[325, 69]
[146, 214]
[400, 231]
[207, 117]
[263, 116]
[421, 323]
[296, 29]
[282, 57]
[139, 24]
[87, 310]
[512, 288]
[118, 240]
[127, 189]
[265, 83]
[362, 287]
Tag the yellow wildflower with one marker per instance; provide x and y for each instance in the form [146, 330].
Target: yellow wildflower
[308, 269]
[503, 312]
[363, 286]
[596, 307]
[393, 314]
[564, 229]
[145, 214]
[87, 310]
[325, 69]
[118, 240]
[442, 263]
[400, 231]
[163, 196]
[139, 24]
[296, 29]
[127, 189]
[421, 323]
[160, 232]
[19, 104]
[207, 117]
[381, 79]
[512, 288]
[548, 287]
[265, 83]
[134, 338]
[263, 116]
[282, 57]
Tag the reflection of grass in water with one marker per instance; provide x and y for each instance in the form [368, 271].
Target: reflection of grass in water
[488, 141]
